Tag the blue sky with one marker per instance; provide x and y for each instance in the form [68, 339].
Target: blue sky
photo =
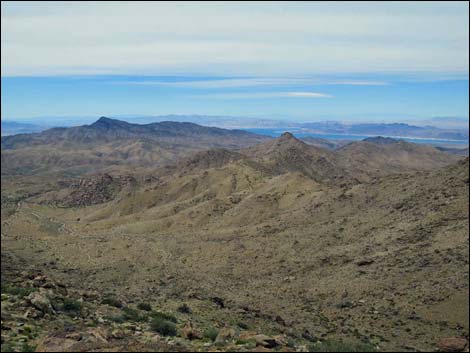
[297, 99]
[301, 61]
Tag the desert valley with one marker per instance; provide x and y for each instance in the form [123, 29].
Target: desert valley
[175, 236]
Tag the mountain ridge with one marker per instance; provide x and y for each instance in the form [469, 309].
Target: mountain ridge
[107, 129]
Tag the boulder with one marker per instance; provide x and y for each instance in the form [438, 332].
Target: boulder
[281, 340]
[97, 335]
[225, 334]
[118, 334]
[246, 335]
[265, 341]
[190, 333]
[41, 302]
[452, 344]
[76, 336]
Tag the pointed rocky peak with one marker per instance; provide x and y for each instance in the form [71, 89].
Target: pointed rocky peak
[289, 140]
[103, 120]
[287, 143]
[286, 136]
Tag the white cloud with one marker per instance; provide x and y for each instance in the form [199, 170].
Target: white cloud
[254, 39]
[308, 95]
[359, 83]
[246, 82]
[265, 95]
[222, 83]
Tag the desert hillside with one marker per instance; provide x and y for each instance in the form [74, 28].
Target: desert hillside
[280, 245]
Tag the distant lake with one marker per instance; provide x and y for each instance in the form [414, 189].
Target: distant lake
[275, 132]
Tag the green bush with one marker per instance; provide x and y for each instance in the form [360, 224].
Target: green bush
[116, 318]
[18, 291]
[71, 305]
[163, 316]
[163, 327]
[25, 347]
[290, 343]
[249, 344]
[336, 346]
[184, 308]
[242, 325]
[144, 306]
[241, 342]
[7, 348]
[210, 333]
[112, 302]
[130, 314]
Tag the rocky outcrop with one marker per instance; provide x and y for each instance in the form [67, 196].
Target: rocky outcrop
[41, 302]
[96, 190]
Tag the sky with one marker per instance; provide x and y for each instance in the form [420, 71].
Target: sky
[368, 61]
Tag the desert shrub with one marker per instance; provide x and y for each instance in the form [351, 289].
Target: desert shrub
[93, 323]
[7, 348]
[249, 344]
[116, 318]
[290, 343]
[163, 327]
[130, 314]
[184, 308]
[163, 316]
[210, 333]
[242, 325]
[71, 305]
[337, 346]
[144, 306]
[242, 342]
[25, 347]
[112, 302]
[18, 291]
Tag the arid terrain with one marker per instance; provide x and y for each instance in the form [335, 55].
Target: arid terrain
[177, 237]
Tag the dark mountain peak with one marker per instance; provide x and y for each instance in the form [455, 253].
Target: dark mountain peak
[380, 140]
[108, 123]
[287, 136]
[104, 120]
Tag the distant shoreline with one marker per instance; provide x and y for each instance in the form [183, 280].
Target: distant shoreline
[432, 140]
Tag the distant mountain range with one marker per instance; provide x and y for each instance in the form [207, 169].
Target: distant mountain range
[446, 122]
[114, 144]
[390, 130]
[435, 128]
[14, 127]
[108, 130]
